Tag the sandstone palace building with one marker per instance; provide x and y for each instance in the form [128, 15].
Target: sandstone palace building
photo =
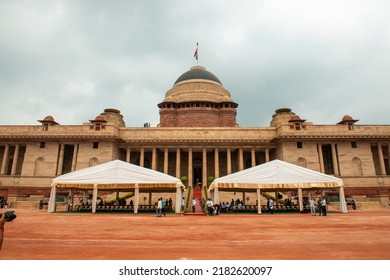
[197, 138]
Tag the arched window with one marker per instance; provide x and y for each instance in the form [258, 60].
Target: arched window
[93, 161]
[39, 167]
[302, 162]
[357, 167]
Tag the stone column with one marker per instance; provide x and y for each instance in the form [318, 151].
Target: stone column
[267, 155]
[128, 154]
[321, 157]
[190, 167]
[74, 159]
[142, 157]
[240, 159]
[204, 167]
[166, 159]
[5, 160]
[381, 160]
[216, 163]
[229, 161]
[154, 161]
[335, 164]
[178, 166]
[253, 156]
[61, 159]
[15, 161]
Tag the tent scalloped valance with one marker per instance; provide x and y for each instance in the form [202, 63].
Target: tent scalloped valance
[117, 186]
[277, 185]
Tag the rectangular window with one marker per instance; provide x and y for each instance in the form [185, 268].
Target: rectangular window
[353, 145]
[42, 145]
[299, 145]
[297, 126]
[95, 145]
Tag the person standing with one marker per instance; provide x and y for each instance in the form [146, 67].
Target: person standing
[312, 205]
[2, 222]
[159, 207]
[323, 206]
[271, 205]
[319, 207]
[162, 206]
[193, 204]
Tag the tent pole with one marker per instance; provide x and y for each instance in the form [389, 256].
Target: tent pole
[343, 204]
[258, 201]
[136, 199]
[216, 196]
[94, 198]
[300, 199]
[52, 200]
[178, 200]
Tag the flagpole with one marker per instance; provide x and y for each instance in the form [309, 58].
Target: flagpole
[197, 56]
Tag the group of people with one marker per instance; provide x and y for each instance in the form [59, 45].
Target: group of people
[3, 202]
[160, 207]
[321, 204]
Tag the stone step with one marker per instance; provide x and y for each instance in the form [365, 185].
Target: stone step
[362, 205]
[27, 204]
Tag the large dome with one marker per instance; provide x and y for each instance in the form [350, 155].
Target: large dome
[198, 99]
[198, 72]
[197, 84]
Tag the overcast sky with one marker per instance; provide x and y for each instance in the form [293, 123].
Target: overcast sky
[72, 59]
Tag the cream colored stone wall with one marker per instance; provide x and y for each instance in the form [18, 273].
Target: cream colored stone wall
[104, 153]
[346, 154]
[308, 152]
[49, 154]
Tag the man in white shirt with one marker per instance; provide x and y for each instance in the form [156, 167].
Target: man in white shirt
[193, 204]
[210, 207]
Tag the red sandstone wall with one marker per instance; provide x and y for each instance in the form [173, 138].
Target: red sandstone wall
[198, 117]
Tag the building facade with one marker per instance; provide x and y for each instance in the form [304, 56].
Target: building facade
[198, 139]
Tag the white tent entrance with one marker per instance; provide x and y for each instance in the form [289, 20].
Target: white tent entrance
[117, 175]
[280, 176]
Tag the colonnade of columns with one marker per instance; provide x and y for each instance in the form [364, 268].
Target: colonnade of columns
[335, 161]
[204, 151]
[6, 157]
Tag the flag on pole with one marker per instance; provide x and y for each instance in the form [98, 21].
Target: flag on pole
[196, 52]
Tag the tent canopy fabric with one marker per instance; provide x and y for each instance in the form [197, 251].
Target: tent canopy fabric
[276, 174]
[116, 174]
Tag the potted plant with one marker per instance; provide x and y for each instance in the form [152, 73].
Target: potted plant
[210, 178]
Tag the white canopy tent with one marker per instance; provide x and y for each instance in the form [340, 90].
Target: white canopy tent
[278, 175]
[117, 175]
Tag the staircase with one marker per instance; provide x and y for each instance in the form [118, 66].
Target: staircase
[197, 194]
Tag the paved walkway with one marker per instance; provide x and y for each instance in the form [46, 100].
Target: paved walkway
[38, 235]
